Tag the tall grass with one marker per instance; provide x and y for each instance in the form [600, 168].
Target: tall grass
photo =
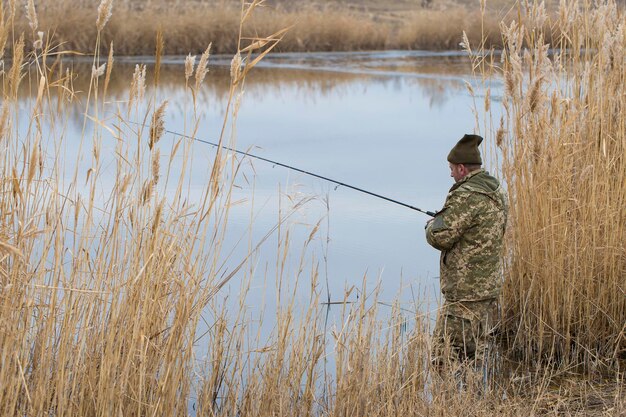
[103, 278]
[111, 269]
[563, 143]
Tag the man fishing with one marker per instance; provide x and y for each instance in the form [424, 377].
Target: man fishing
[469, 232]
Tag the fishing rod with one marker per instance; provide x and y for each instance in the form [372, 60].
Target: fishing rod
[312, 174]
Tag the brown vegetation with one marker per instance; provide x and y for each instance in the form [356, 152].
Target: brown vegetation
[188, 26]
[562, 140]
[103, 291]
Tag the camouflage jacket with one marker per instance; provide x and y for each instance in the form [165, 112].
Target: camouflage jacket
[469, 233]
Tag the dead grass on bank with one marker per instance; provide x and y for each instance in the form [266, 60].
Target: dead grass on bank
[333, 27]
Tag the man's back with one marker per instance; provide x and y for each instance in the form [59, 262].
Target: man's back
[469, 232]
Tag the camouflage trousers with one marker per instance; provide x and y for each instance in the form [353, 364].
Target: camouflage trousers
[462, 331]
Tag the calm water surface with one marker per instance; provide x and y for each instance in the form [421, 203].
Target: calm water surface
[383, 122]
[379, 121]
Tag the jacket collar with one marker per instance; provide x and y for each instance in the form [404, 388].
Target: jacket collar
[467, 178]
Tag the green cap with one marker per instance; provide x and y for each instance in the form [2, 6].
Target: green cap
[466, 151]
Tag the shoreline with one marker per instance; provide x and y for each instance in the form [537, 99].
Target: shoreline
[224, 59]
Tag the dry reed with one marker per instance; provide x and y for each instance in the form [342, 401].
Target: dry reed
[102, 299]
[563, 144]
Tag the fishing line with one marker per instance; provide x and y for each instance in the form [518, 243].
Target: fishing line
[312, 174]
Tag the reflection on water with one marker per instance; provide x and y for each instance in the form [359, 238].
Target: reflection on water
[380, 121]
[437, 74]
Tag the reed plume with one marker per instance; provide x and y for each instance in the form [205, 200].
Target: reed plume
[15, 73]
[235, 68]
[12, 10]
[156, 166]
[4, 31]
[4, 119]
[147, 191]
[500, 133]
[137, 86]
[202, 68]
[157, 125]
[105, 10]
[31, 15]
[190, 61]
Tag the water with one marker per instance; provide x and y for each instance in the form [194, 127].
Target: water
[381, 121]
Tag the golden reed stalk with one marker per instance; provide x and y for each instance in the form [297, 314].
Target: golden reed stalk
[564, 162]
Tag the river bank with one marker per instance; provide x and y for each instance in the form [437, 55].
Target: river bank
[188, 27]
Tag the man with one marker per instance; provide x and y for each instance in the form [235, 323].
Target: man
[469, 232]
